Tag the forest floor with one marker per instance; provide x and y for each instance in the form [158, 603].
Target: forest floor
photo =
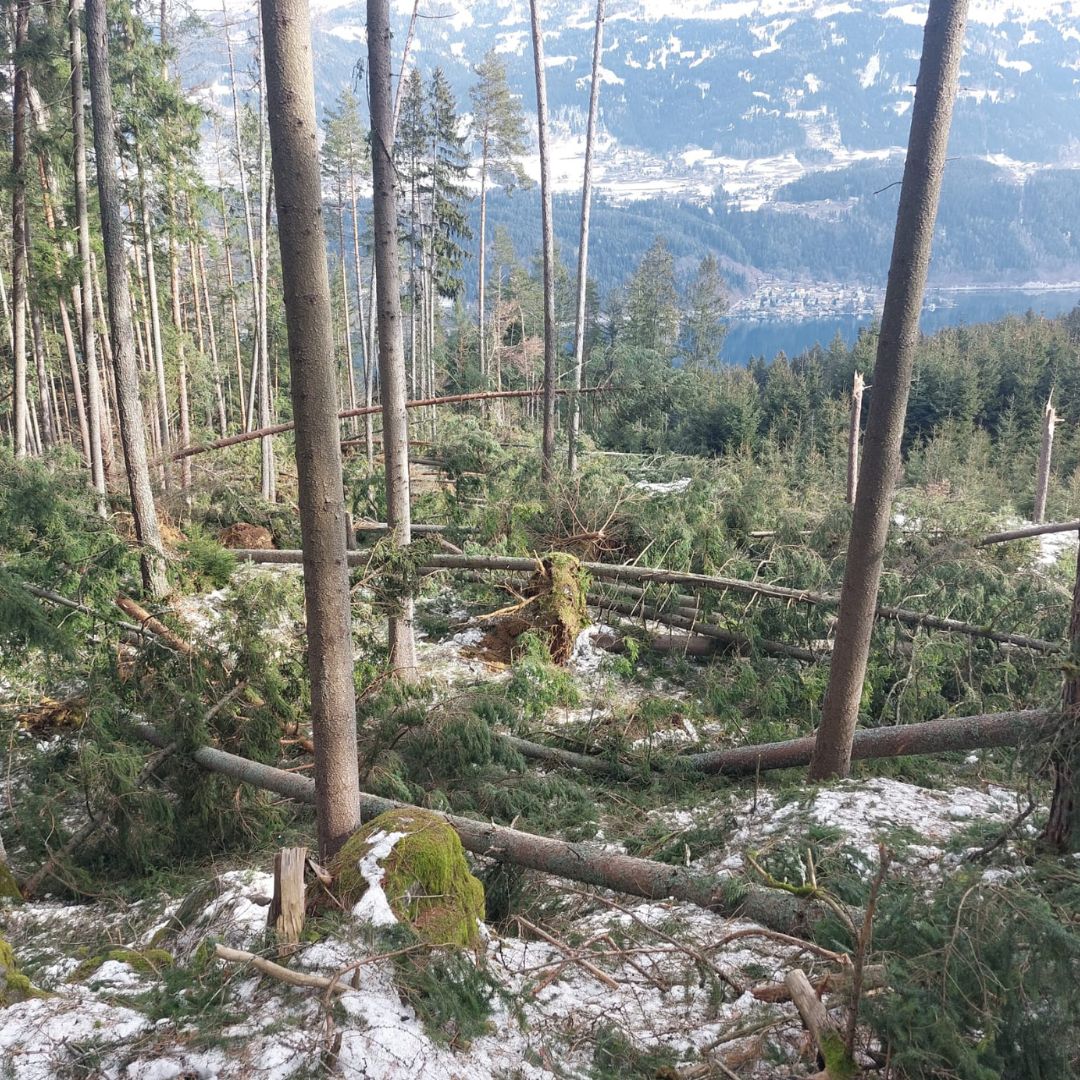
[670, 986]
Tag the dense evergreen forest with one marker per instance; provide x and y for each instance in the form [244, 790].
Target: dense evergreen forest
[421, 656]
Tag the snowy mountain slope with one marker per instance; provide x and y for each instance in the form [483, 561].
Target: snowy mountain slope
[738, 96]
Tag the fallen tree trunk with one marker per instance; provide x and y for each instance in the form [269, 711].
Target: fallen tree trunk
[367, 410]
[587, 863]
[981, 732]
[609, 572]
[705, 629]
[900, 740]
[1029, 530]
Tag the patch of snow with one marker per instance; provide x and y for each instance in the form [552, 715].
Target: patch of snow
[665, 487]
[587, 655]
[868, 75]
[373, 907]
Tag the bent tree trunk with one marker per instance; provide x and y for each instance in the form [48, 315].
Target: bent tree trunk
[293, 145]
[391, 353]
[125, 366]
[919, 194]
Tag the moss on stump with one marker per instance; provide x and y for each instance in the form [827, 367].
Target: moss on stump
[560, 586]
[425, 876]
[14, 985]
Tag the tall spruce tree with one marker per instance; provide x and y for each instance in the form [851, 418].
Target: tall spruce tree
[935, 93]
[499, 130]
[298, 188]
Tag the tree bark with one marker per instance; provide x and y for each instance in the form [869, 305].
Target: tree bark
[551, 329]
[1046, 449]
[391, 354]
[267, 469]
[857, 387]
[297, 176]
[20, 418]
[88, 342]
[935, 92]
[583, 243]
[129, 404]
[590, 864]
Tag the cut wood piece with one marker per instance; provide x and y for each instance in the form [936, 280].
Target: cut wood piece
[839, 1064]
[288, 907]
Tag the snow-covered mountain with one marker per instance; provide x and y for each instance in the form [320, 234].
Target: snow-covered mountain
[741, 104]
[745, 95]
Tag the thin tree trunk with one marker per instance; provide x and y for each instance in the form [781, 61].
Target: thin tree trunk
[20, 413]
[198, 269]
[1062, 832]
[267, 471]
[550, 326]
[368, 440]
[234, 314]
[132, 430]
[158, 349]
[246, 199]
[1046, 449]
[854, 430]
[346, 319]
[935, 93]
[583, 245]
[391, 356]
[306, 286]
[482, 261]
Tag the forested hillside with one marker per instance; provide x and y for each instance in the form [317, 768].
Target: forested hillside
[420, 655]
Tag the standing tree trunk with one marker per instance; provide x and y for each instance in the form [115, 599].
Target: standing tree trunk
[391, 353]
[86, 293]
[857, 388]
[583, 244]
[132, 430]
[481, 260]
[1042, 477]
[935, 92]
[550, 328]
[20, 414]
[267, 470]
[368, 430]
[1061, 832]
[293, 145]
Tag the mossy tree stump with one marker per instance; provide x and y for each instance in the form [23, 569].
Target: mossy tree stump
[415, 857]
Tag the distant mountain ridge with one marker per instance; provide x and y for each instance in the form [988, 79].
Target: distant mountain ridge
[741, 105]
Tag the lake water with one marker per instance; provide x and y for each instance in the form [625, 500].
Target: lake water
[748, 338]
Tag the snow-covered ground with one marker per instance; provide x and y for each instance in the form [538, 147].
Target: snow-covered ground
[651, 986]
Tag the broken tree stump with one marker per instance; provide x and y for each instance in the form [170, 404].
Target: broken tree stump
[289, 904]
[839, 1064]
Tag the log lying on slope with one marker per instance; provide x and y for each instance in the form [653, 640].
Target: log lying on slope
[609, 572]
[587, 863]
[981, 732]
[1028, 530]
[369, 410]
[700, 626]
